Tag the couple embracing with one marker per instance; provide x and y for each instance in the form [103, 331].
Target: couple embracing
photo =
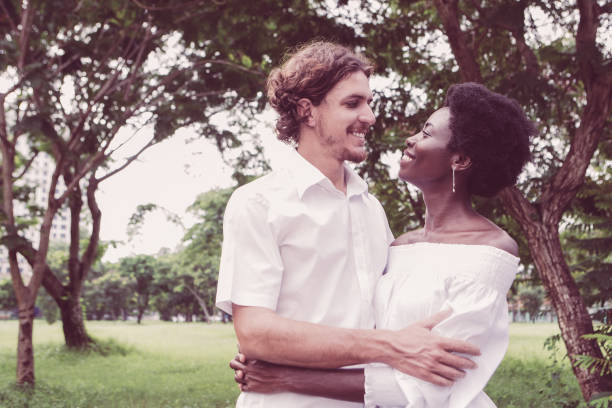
[331, 310]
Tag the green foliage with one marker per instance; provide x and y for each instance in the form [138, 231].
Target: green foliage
[108, 296]
[49, 308]
[140, 270]
[601, 366]
[520, 383]
[587, 239]
[531, 298]
[199, 260]
[8, 301]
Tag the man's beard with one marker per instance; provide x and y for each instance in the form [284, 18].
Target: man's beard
[343, 153]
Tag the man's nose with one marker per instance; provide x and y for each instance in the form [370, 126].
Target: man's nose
[367, 116]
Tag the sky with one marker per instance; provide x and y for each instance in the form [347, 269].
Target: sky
[170, 174]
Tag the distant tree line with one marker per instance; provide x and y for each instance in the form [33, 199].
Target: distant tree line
[172, 284]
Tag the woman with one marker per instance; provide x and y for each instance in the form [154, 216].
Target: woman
[476, 144]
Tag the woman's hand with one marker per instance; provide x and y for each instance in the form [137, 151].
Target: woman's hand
[259, 376]
[267, 378]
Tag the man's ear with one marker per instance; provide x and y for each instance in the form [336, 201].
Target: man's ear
[305, 111]
[461, 162]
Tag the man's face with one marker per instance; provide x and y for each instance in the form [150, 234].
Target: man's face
[344, 117]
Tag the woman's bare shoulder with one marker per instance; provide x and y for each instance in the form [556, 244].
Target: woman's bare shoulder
[409, 237]
[502, 240]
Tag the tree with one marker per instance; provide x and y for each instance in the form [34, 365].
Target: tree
[202, 253]
[107, 296]
[565, 83]
[531, 300]
[82, 71]
[8, 301]
[587, 242]
[140, 270]
[191, 280]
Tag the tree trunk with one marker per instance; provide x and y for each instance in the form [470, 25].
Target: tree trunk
[202, 303]
[25, 348]
[572, 314]
[75, 335]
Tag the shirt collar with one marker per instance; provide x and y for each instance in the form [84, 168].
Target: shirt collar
[306, 175]
[355, 185]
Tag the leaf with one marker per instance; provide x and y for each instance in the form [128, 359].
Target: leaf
[246, 61]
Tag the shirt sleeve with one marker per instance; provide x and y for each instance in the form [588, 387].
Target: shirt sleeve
[251, 269]
[480, 316]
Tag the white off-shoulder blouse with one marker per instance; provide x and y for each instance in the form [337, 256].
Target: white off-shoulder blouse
[424, 278]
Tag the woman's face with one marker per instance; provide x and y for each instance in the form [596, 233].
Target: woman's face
[426, 159]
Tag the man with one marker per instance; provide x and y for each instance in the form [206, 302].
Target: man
[304, 245]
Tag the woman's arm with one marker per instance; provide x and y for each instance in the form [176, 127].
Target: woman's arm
[264, 377]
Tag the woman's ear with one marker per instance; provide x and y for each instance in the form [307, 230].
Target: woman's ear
[304, 111]
[461, 162]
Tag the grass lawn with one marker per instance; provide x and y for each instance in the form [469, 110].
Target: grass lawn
[185, 365]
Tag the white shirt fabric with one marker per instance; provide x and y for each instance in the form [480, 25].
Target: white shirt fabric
[295, 244]
[423, 279]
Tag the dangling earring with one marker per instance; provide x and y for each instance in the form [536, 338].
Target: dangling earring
[453, 179]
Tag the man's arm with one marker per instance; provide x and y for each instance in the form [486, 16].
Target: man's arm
[264, 335]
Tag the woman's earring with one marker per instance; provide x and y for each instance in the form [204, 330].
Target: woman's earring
[453, 179]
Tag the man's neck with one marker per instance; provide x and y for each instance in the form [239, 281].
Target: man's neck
[331, 168]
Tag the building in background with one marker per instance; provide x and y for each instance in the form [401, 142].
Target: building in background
[38, 176]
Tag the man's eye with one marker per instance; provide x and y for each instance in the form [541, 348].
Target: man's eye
[352, 104]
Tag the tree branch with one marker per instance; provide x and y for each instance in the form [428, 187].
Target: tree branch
[127, 161]
[469, 69]
[26, 167]
[598, 86]
[518, 207]
[604, 9]
[173, 7]
[586, 45]
[89, 255]
[75, 203]
[9, 12]
[24, 38]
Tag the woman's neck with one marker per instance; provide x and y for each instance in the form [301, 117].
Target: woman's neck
[447, 211]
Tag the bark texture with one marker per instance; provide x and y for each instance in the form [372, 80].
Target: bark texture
[75, 335]
[25, 349]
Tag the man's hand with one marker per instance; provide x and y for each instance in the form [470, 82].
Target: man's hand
[419, 353]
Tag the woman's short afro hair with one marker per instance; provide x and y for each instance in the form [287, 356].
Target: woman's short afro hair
[493, 131]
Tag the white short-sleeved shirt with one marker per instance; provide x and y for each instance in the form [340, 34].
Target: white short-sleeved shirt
[425, 278]
[295, 244]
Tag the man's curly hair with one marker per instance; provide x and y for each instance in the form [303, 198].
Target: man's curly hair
[309, 72]
[493, 131]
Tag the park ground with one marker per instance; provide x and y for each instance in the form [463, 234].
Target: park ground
[185, 365]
